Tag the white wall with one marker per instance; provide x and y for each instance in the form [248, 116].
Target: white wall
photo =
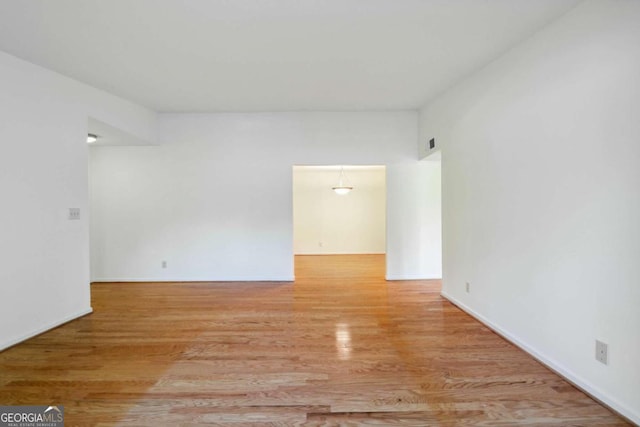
[44, 259]
[541, 199]
[417, 249]
[215, 199]
[327, 223]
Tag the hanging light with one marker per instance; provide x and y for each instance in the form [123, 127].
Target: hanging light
[342, 188]
[91, 138]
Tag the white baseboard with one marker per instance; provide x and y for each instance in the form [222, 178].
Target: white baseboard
[559, 369]
[6, 344]
[410, 277]
[314, 253]
[193, 279]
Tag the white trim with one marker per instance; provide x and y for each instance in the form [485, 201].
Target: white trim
[555, 366]
[411, 277]
[5, 345]
[193, 279]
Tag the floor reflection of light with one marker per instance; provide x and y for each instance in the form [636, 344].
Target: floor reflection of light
[343, 341]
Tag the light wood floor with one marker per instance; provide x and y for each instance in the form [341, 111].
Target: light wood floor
[339, 347]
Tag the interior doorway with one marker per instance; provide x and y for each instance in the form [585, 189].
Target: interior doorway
[330, 224]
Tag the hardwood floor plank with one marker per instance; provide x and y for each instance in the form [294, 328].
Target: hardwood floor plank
[341, 346]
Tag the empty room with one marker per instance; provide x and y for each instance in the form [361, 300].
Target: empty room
[322, 213]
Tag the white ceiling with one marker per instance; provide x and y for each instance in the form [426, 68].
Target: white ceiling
[325, 177]
[109, 135]
[270, 55]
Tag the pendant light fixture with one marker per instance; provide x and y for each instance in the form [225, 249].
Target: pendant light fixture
[343, 187]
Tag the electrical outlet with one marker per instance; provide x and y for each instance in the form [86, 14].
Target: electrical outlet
[320, 244]
[164, 264]
[74, 213]
[602, 352]
[467, 287]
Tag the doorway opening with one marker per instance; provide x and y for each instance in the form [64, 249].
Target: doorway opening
[334, 233]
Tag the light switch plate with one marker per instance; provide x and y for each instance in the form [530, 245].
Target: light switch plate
[74, 213]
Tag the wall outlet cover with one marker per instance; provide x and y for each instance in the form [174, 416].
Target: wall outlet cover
[602, 352]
